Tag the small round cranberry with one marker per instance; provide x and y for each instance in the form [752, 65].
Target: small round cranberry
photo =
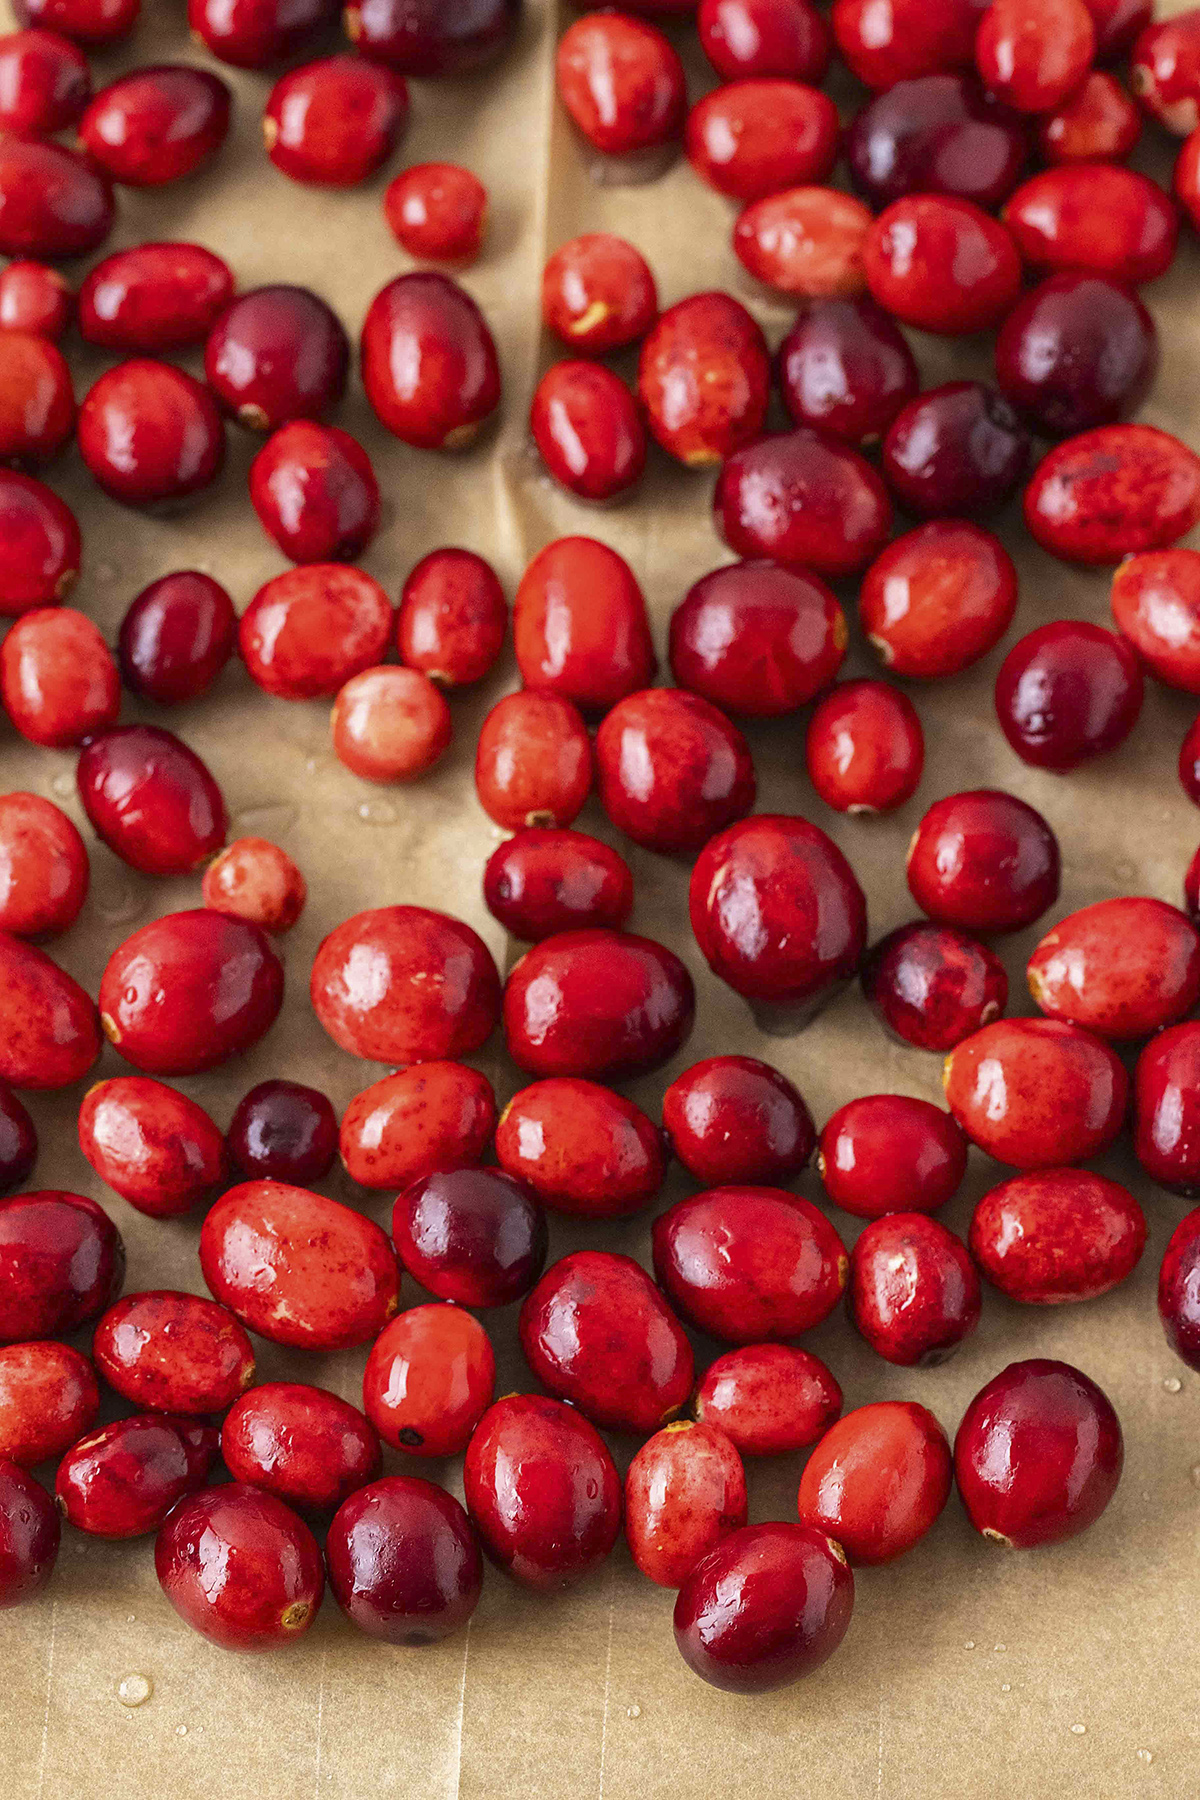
[1186, 179]
[1068, 692]
[749, 1263]
[42, 544]
[157, 124]
[889, 1153]
[43, 867]
[807, 242]
[1037, 1093]
[429, 1380]
[602, 1005]
[542, 1491]
[704, 378]
[18, 1142]
[58, 680]
[580, 628]
[955, 449]
[430, 1116]
[768, 1399]
[984, 861]
[942, 264]
[1113, 492]
[253, 34]
[149, 433]
[390, 724]
[1156, 605]
[622, 83]
[301, 1443]
[437, 212]
[474, 1236]
[241, 1568]
[878, 1479]
[151, 799]
[173, 1352]
[1038, 1455]
[49, 1031]
[283, 1131]
[429, 362]
[938, 598]
[315, 492]
[755, 639]
[37, 400]
[123, 1480]
[53, 203]
[588, 430]
[91, 22]
[768, 1605]
[48, 1398]
[533, 761]
[1057, 1235]
[932, 986]
[598, 294]
[1079, 350]
[275, 354]
[543, 881]
[62, 1262]
[158, 1149]
[1122, 968]
[1165, 72]
[333, 123]
[176, 637]
[937, 134]
[754, 138]
[864, 747]
[1097, 123]
[1033, 54]
[154, 297]
[913, 1292]
[453, 617]
[734, 1121]
[34, 298]
[29, 1535]
[845, 368]
[1095, 217]
[432, 37]
[45, 83]
[685, 1492]
[799, 497]
[583, 1150]
[905, 39]
[1179, 1288]
[404, 1563]
[1166, 1109]
[672, 769]
[745, 38]
[307, 631]
[256, 880]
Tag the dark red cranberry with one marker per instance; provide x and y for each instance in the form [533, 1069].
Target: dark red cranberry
[1156, 605]
[176, 637]
[437, 212]
[1117, 24]
[889, 1153]
[1033, 54]
[241, 1568]
[533, 762]
[45, 83]
[543, 881]
[768, 1399]
[1165, 71]
[34, 298]
[173, 1352]
[62, 1261]
[1057, 1235]
[53, 204]
[1166, 1109]
[1097, 123]
[878, 1479]
[754, 138]
[864, 747]
[622, 83]
[799, 498]
[1068, 692]
[333, 123]
[429, 362]
[599, 1004]
[580, 627]
[704, 378]
[154, 297]
[48, 1398]
[1191, 881]
[938, 598]
[432, 37]
[846, 368]
[1094, 217]
[277, 353]
[429, 1380]
[91, 22]
[474, 1236]
[1179, 1290]
[1037, 1093]
[429, 1116]
[301, 1443]
[584, 1150]
[598, 293]
[913, 1292]
[123, 1480]
[588, 430]
[907, 39]
[937, 134]
[942, 264]
[453, 617]
[49, 1032]
[253, 34]
[685, 1491]
[43, 867]
[1113, 492]
[42, 544]
[1185, 182]
[984, 861]
[150, 433]
[735, 1120]
[157, 1148]
[37, 400]
[283, 1131]
[58, 680]
[744, 38]
[157, 124]
[955, 449]
[151, 799]
[932, 986]
[807, 243]
[315, 492]
[29, 1535]
[256, 880]
[18, 1142]
[756, 639]
[1080, 350]
[404, 1563]
[672, 769]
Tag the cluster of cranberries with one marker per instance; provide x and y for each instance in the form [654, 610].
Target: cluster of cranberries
[964, 96]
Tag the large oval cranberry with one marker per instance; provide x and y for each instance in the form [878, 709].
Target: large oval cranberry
[432, 37]
[807, 243]
[906, 38]
[936, 134]
[1033, 54]
[704, 378]
[672, 769]
[156, 124]
[44, 868]
[151, 799]
[241, 1568]
[335, 121]
[53, 204]
[580, 628]
[45, 83]
[684, 1492]
[599, 1004]
[735, 1120]
[768, 1399]
[156, 1147]
[959, 448]
[1166, 1108]
[429, 362]
[622, 83]
[150, 433]
[1057, 1235]
[62, 1263]
[1097, 217]
[764, 37]
[942, 264]
[1123, 968]
[173, 1352]
[315, 492]
[253, 34]
[798, 497]
[984, 861]
[1112, 492]
[542, 881]
[307, 631]
[1036, 1093]
[123, 1480]
[49, 1032]
[154, 297]
[1179, 1290]
[584, 1150]
[846, 368]
[756, 639]
[878, 1480]
[1079, 350]
[404, 1564]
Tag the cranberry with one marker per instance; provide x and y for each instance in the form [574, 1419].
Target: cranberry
[1165, 71]
[799, 497]
[173, 1352]
[49, 1035]
[1186, 180]
[123, 1480]
[1122, 968]
[584, 1150]
[704, 378]
[685, 1492]
[1112, 492]
[1191, 881]
[937, 134]
[154, 297]
[598, 1004]
[62, 1262]
[889, 1153]
[149, 433]
[598, 293]
[151, 799]
[1037, 1093]
[1078, 351]
[29, 1535]
[241, 1568]
[672, 769]
[34, 298]
[984, 861]
[1068, 692]
[807, 242]
[433, 1115]
[1097, 123]
[429, 362]
[758, 640]
[1056, 1235]
[733, 1120]
[955, 449]
[938, 598]
[256, 880]
[405, 984]
[275, 354]
[315, 492]
[745, 38]
[333, 123]
[878, 1480]
[932, 986]
[404, 1563]
[597, 1332]
[303, 1444]
[1178, 1282]
[390, 724]
[1156, 605]
[1038, 1454]
[189, 990]
[432, 37]
[542, 1491]
[768, 1399]
[474, 1236]
[1033, 54]
[429, 1380]
[845, 368]
[453, 617]
[1166, 1109]
[1095, 217]
[157, 124]
[754, 138]
[253, 34]
[580, 628]
[749, 1263]
[307, 631]
[1117, 24]
[913, 1294]
[176, 637]
[48, 1398]
[906, 38]
[37, 400]
[42, 542]
[941, 263]
[533, 762]
[778, 914]
[622, 83]
[45, 83]
[52, 203]
[283, 1131]
[437, 211]
[543, 881]
[864, 747]
[43, 867]
[18, 1141]
[157, 1148]
[57, 677]
[92, 22]
[588, 430]
[769, 1604]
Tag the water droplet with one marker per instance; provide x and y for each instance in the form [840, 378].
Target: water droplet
[181, 1731]
[999, 1646]
[1194, 1472]
[311, 765]
[81, 1549]
[970, 1644]
[134, 1690]
[635, 1712]
[1146, 1756]
[1125, 871]
[116, 900]
[377, 812]
[1172, 1384]
[131, 1618]
[105, 572]
[63, 785]
[1006, 1687]
[1079, 1730]
[266, 818]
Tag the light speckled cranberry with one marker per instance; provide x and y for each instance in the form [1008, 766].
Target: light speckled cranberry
[768, 1399]
[1057, 1235]
[685, 1491]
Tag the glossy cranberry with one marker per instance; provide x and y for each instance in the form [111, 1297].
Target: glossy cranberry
[62, 1262]
[889, 1153]
[432, 37]
[91, 22]
[43, 867]
[598, 1004]
[1037, 1093]
[276, 354]
[390, 724]
[151, 799]
[1113, 492]
[672, 769]
[938, 598]
[430, 1116]
[154, 297]
[799, 498]
[1156, 605]
[253, 34]
[932, 986]
[404, 1563]
[1097, 123]
[1165, 71]
[18, 1141]
[1094, 217]
[845, 368]
[622, 83]
[704, 378]
[123, 1480]
[598, 293]
[533, 762]
[905, 39]
[429, 1380]
[173, 1352]
[283, 1131]
[306, 632]
[453, 617]
[45, 83]
[588, 430]
[1079, 350]
[1068, 692]
[1057, 1235]
[241, 1568]
[34, 298]
[1033, 54]
[955, 449]
[58, 680]
[49, 1033]
[1117, 24]
[542, 1491]
[806, 243]
[149, 433]
[768, 1399]
[583, 1150]
[298, 1268]
[937, 134]
[176, 637]
[301, 1443]
[756, 639]
[543, 881]
[1186, 179]
[1122, 968]
[315, 492]
[257, 881]
[747, 38]
[1179, 1290]
[941, 263]
[48, 1398]
[405, 984]
[42, 543]
[685, 1491]
[749, 1263]
[984, 861]
[768, 1605]
[29, 1535]
[437, 211]
[913, 1292]
[37, 400]
[878, 1479]
[157, 1148]
[53, 203]
[735, 1120]
[1166, 1109]
[156, 124]
[580, 628]
[754, 138]
[864, 747]
[429, 362]
[1191, 881]
[333, 123]
[474, 1236]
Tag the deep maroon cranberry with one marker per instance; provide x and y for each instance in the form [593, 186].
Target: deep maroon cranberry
[735, 1120]
[29, 1535]
[277, 353]
[1097, 123]
[599, 1004]
[157, 124]
[437, 211]
[58, 680]
[1156, 605]
[1191, 880]
[1179, 1290]
[122, 1480]
[1117, 24]
[154, 297]
[1094, 217]
[672, 769]
[799, 497]
[744, 38]
[241, 1568]
[942, 264]
[864, 747]
[49, 1031]
[913, 1292]
[430, 1378]
[62, 1262]
[580, 626]
[889, 1153]
[878, 1479]
[283, 1131]
[18, 1142]
[622, 83]
[37, 400]
[754, 138]
[984, 861]
[807, 242]
[315, 492]
[1068, 692]
[176, 637]
[254, 879]
[1078, 351]
[938, 134]
[543, 881]
[768, 1399]
[53, 203]
[533, 762]
[1057, 1235]
[157, 1148]
[907, 38]
[150, 433]
[588, 430]
[704, 378]
[432, 37]
[1037, 1093]
[151, 799]
[429, 362]
[1034, 53]
[44, 868]
[685, 1491]
[428, 1116]
[1166, 1109]
[1113, 492]
[955, 449]
[584, 1150]
[938, 598]
[91, 22]
[404, 1563]
[34, 298]
[48, 1399]
[598, 293]
[756, 639]
[932, 986]
[846, 368]
[45, 83]
[474, 1236]
[253, 34]
[333, 123]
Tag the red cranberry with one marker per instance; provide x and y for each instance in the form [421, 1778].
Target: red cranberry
[429, 362]
[303, 1444]
[807, 242]
[685, 1492]
[768, 1399]
[158, 1149]
[937, 134]
[757, 640]
[42, 542]
[878, 1479]
[453, 617]
[149, 433]
[1095, 217]
[1056, 1235]
[430, 1116]
[598, 1004]
[49, 1033]
[241, 1568]
[1178, 1290]
[1068, 692]
[154, 297]
[542, 1491]
[48, 1398]
[798, 497]
[1191, 881]
[43, 867]
[745, 38]
[749, 1263]
[390, 724]
[315, 492]
[913, 1293]
[34, 298]
[1156, 605]
[704, 378]
[733, 1120]
[57, 677]
[938, 598]
[92, 22]
[405, 984]
[18, 1142]
[1165, 71]
[437, 211]
[474, 1236]
[754, 138]
[432, 37]
[62, 1262]
[429, 1380]
[906, 39]
[37, 400]
[45, 83]
[1097, 123]
[584, 1150]
[769, 1604]
[52, 203]
[845, 368]
[672, 769]
[1033, 54]
[955, 449]
[1166, 1109]
[543, 881]
[275, 354]
[307, 631]
[151, 799]
[256, 880]
[29, 1535]
[173, 1352]
[157, 124]
[1117, 24]
[598, 293]
[932, 986]
[333, 123]
[176, 637]
[1037, 1093]
[889, 1153]
[1078, 351]
[941, 263]
[404, 1563]
[864, 747]
[580, 628]
[283, 1131]
[1186, 179]
[588, 430]
[533, 762]
[984, 861]
[622, 83]
[1122, 968]
[1112, 492]
[1038, 1455]
[189, 990]
[253, 34]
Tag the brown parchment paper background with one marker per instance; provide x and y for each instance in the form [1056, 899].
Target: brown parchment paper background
[965, 1671]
